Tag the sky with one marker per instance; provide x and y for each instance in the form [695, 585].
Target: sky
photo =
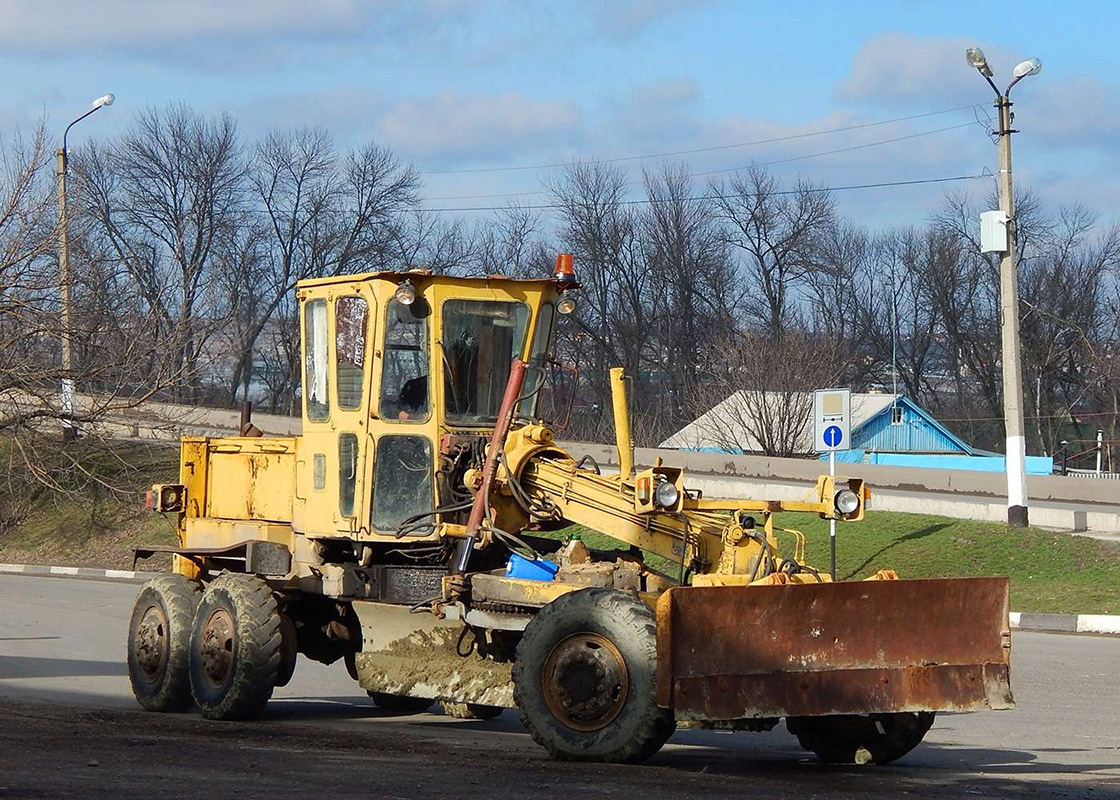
[479, 95]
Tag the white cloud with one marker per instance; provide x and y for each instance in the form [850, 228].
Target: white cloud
[630, 17]
[476, 126]
[900, 68]
[1074, 112]
[180, 25]
[671, 91]
[63, 24]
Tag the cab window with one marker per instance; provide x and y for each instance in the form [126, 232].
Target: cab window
[347, 472]
[316, 372]
[402, 481]
[404, 375]
[538, 354]
[350, 317]
[481, 338]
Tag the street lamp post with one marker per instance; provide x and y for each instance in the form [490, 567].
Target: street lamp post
[1009, 295]
[66, 393]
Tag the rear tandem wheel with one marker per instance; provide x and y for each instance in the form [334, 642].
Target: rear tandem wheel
[236, 653]
[159, 636]
[856, 739]
[470, 710]
[400, 703]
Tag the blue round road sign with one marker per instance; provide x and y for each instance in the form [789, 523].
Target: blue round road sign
[833, 435]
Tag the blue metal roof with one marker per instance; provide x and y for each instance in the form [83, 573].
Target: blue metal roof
[918, 432]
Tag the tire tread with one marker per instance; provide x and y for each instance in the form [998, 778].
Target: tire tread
[653, 726]
[257, 665]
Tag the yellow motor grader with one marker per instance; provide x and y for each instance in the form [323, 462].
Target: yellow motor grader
[405, 533]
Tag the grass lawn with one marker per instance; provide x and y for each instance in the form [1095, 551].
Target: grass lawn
[1050, 572]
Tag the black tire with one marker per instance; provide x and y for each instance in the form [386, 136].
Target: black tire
[289, 650]
[401, 704]
[159, 639]
[236, 645]
[871, 739]
[585, 679]
[470, 710]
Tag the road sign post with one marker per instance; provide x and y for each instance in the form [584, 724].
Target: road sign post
[832, 427]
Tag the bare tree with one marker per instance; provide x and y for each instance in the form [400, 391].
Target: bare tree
[764, 394]
[166, 196]
[319, 214]
[777, 232]
[115, 369]
[510, 243]
[595, 227]
[696, 295]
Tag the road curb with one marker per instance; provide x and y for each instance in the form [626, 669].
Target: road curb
[1066, 623]
[116, 575]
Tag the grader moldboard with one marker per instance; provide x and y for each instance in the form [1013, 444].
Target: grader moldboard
[384, 537]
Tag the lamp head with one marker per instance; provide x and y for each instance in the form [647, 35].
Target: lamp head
[104, 100]
[975, 57]
[1032, 66]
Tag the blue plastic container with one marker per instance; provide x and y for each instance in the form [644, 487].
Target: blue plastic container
[529, 569]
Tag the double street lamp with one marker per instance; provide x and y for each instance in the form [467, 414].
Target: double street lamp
[1009, 293]
[66, 394]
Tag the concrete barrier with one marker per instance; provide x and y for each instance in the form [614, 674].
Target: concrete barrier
[1071, 504]
[1081, 505]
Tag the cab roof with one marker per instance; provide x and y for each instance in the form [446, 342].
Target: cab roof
[425, 274]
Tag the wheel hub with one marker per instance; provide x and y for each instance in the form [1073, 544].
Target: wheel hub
[585, 681]
[217, 647]
[151, 643]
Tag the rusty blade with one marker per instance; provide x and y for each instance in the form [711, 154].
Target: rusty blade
[732, 652]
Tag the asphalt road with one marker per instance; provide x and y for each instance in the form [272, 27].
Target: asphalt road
[69, 727]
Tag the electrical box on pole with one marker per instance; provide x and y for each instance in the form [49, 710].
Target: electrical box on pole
[993, 232]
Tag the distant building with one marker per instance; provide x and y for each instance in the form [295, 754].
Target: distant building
[887, 429]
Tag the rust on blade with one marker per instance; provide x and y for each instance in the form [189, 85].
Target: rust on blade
[733, 652]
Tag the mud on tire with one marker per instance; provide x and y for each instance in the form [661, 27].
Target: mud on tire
[585, 678]
[235, 650]
[159, 636]
[871, 739]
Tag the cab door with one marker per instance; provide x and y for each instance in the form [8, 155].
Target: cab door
[337, 326]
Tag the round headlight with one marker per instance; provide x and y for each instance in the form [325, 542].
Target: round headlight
[666, 495]
[566, 305]
[405, 294]
[847, 501]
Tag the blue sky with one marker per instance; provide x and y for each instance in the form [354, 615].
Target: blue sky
[456, 85]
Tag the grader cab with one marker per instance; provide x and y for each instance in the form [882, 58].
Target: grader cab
[410, 532]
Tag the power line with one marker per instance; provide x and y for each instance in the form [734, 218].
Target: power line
[650, 201]
[1071, 415]
[842, 149]
[788, 160]
[696, 150]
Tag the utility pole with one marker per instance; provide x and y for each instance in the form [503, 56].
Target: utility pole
[66, 395]
[1009, 316]
[65, 284]
[1016, 443]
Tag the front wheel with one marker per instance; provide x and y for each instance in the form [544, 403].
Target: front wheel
[870, 739]
[585, 678]
[236, 648]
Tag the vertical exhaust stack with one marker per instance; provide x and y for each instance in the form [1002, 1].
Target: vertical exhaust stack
[622, 424]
